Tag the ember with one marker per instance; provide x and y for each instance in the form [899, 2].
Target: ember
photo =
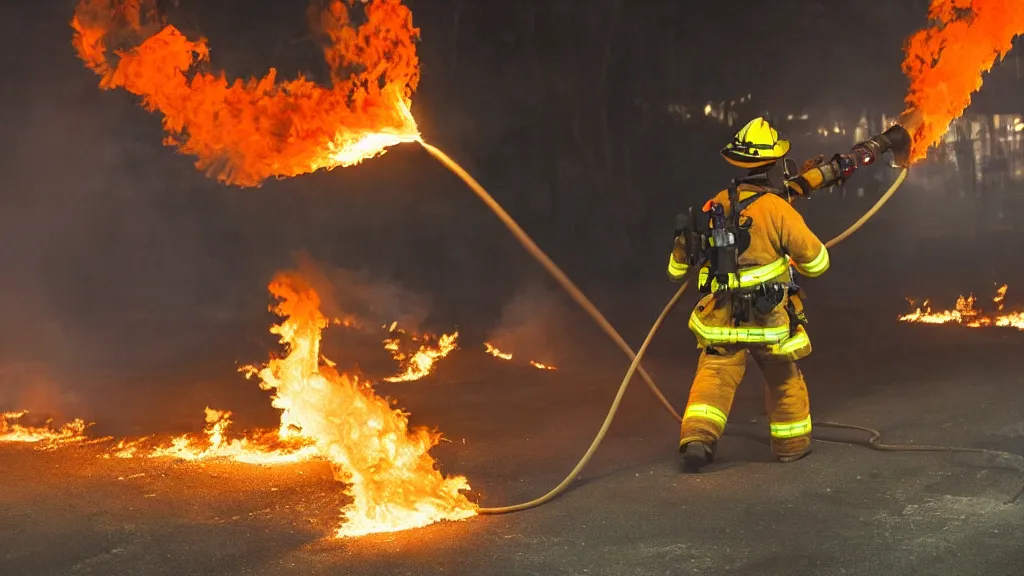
[508, 356]
[497, 353]
[418, 363]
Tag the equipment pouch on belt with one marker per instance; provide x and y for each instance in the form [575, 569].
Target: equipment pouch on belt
[742, 305]
[768, 297]
[795, 307]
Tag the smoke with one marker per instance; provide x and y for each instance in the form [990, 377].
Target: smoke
[32, 386]
[362, 306]
[365, 302]
[537, 324]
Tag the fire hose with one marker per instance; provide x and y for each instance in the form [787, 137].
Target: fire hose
[874, 440]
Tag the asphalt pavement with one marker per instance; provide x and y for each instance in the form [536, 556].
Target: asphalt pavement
[515, 431]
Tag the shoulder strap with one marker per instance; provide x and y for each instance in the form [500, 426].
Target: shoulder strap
[744, 204]
[734, 204]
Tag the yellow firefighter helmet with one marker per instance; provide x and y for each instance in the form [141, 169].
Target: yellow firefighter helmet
[756, 144]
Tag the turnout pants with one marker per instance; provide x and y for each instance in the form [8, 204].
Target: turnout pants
[719, 372]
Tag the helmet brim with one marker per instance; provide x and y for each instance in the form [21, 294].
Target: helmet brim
[742, 158]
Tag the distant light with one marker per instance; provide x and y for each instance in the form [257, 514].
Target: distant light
[789, 117]
[803, 116]
[1018, 126]
[707, 109]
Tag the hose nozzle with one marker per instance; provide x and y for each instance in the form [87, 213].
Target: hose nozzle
[896, 140]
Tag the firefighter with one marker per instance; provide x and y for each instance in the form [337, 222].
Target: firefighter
[754, 240]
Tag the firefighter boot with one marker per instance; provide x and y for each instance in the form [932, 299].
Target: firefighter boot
[697, 452]
[792, 449]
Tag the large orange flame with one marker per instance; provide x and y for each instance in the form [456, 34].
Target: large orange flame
[244, 132]
[325, 414]
[387, 465]
[945, 62]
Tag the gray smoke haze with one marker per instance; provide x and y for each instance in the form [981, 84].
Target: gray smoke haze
[370, 301]
[133, 286]
[538, 324]
[364, 303]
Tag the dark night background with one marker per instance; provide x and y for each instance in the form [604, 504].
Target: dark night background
[126, 271]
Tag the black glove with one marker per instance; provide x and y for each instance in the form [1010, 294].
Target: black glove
[846, 164]
[682, 222]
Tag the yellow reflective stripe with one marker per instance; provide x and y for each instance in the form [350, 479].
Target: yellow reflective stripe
[791, 344]
[738, 335]
[817, 266]
[791, 429]
[748, 277]
[676, 269]
[707, 412]
[761, 274]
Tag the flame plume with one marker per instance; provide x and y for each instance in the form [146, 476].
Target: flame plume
[244, 132]
[387, 465]
[945, 61]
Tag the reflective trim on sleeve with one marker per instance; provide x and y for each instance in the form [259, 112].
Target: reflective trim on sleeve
[817, 266]
[707, 412]
[676, 270]
[791, 429]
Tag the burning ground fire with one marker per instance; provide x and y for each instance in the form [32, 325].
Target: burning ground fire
[12, 431]
[508, 356]
[325, 414]
[258, 447]
[967, 314]
[417, 364]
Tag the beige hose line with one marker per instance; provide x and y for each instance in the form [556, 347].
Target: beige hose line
[557, 490]
[874, 209]
[550, 266]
